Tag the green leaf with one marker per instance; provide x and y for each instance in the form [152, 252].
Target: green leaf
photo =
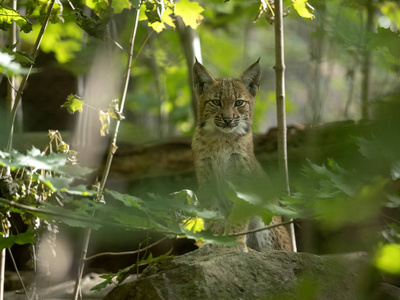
[101, 285]
[33, 159]
[97, 6]
[80, 190]
[63, 39]
[136, 3]
[156, 16]
[96, 27]
[56, 183]
[385, 38]
[108, 280]
[9, 66]
[388, 259]
[27, 237]
[120, 5]
[127, 200]
[75, 171]
[154, 11]
[186, 196]
[7, 15]
[73, 104]
[132, 218]
[79, 218]
[39, 9]
[190, 12]
[303, 9]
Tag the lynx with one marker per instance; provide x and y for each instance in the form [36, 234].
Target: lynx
[223, 151]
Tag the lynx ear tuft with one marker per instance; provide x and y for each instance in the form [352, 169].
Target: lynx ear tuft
[202, 79]
[251, 78]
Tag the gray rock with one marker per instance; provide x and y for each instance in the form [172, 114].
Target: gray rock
[223, 273]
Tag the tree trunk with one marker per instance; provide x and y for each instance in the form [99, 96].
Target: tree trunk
[191, 46]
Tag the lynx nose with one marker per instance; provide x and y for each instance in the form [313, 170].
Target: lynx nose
[227, 120]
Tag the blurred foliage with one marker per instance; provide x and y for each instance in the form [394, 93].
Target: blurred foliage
[49, 188]
[10, 63]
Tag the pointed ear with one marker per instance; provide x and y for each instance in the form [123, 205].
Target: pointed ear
[251, 78]
[202, 79]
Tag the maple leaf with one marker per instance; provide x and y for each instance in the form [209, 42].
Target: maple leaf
[73, 104]
[190, 12]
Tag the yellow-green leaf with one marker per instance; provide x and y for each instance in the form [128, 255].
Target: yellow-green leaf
[158, 26]
[73, 104]
[190, 12]
[97, 6]
[194, 224]
[120, 5]
[303, 9]
[105, 122]
[388, 258]
[7, 15]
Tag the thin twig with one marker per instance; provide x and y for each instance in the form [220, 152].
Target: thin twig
[18, 274]
[127, 252]
[25, 78]
[141, 48]
[280, 103]
[261, 229]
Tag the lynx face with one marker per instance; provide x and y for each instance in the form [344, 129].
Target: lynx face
[226, 104]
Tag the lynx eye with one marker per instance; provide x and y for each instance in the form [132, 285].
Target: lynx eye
[240, 103]
[216, 103]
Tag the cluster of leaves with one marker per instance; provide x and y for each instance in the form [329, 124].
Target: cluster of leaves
[160, 13]
[119, 277]
[45, 192]
[361, 193]
[74, 103]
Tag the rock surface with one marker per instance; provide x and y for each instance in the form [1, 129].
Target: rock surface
[222, 273]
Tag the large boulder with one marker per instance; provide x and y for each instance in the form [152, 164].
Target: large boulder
[223, 273]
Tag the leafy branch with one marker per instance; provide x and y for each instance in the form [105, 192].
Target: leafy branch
[112, 150]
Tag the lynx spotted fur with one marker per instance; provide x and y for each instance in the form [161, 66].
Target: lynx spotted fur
[223, 151]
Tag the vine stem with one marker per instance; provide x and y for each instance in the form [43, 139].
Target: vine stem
[280, 103]
[261, 229]
[128, 252]
[26, 76]
[111, 152]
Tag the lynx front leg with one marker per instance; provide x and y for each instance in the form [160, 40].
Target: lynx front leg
[236, 227]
